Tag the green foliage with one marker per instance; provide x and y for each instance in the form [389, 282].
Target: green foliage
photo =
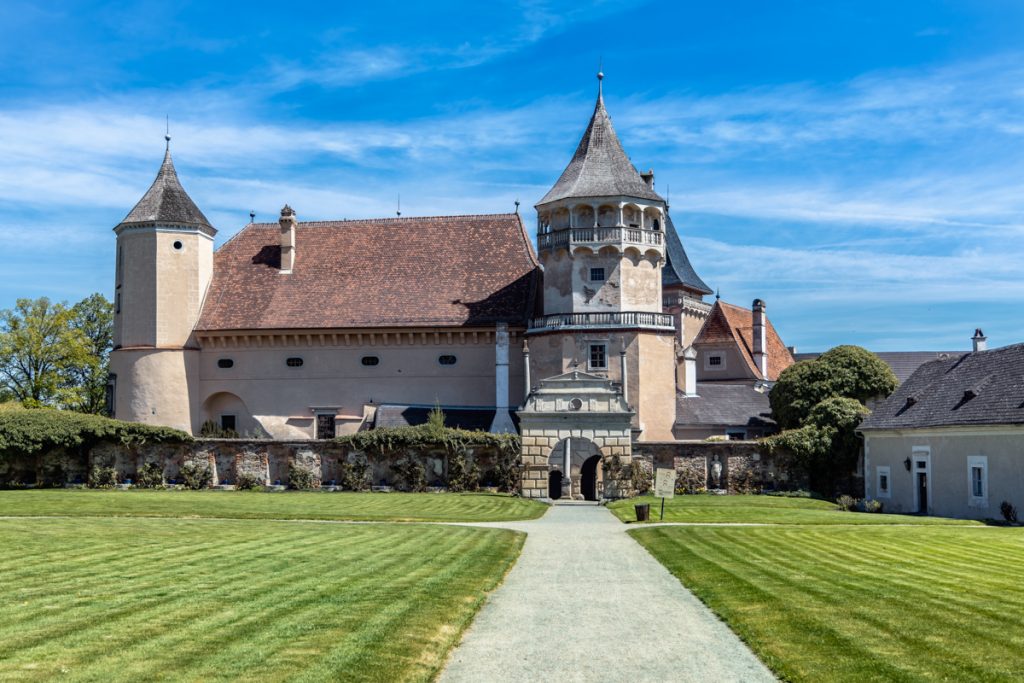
[872, 506]
[508, 470]
[410, 474]
[463, 473]
[196, 476]
[87, 380]
[29, 432]
[302, 478]
[354, 474]
[102, 477]
[212, 430]
[1008, 511]
[639, 477]
[149, 476]
[846, 371]
[690, 481]
[248, 481]
[846, 503]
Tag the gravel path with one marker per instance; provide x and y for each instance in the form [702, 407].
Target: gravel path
[585, 602]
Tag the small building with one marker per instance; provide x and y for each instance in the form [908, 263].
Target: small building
[950, 440]
[902, 363]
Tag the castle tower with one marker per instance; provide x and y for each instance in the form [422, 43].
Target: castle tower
[164, 266]
[601, 241]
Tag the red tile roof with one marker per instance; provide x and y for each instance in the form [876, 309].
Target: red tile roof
[734, 324]
[444, 270]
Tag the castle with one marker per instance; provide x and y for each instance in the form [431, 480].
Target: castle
[301, 330]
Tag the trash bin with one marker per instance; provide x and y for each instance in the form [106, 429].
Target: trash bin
[643, 512]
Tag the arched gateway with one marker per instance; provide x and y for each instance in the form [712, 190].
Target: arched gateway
[569, 424]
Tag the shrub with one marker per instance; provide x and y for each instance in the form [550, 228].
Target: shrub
[1008, 511]
[410, 474]
[508, 469]
[213, 430]
[150, 476]
[196, 476]
[846, 503]
[690, 481]
[247, 481]
[27, 432]
[102, 477]
[302, 478]
[639, 478]
[744, 482]
[354, 475]
[872, 505]
[463, 473]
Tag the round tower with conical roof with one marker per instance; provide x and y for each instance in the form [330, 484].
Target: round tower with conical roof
[164, 267]
[601, 241]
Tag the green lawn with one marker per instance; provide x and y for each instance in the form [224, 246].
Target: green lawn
[711, 509]
[420, 507]
[861, 603]
[118, 599]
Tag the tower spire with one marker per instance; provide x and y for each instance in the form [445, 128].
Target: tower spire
[600, 77]
[167, 132]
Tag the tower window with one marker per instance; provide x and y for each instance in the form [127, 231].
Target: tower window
[294, 362]
[178, 245]
[597, 274]
[225, 363]
[117, 307]
[447, 360]
[370, 360]
[598, 357]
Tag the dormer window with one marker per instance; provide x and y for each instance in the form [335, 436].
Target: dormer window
[714, 361]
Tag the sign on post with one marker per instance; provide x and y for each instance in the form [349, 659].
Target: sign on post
[664, 485]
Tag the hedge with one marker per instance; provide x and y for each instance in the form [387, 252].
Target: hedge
[38, 430]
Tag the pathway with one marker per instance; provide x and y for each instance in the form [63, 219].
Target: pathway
[585, 602]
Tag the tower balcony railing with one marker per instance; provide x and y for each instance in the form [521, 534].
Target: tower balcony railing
[580, 321]
[570, 236]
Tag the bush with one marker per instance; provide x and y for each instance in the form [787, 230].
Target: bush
[689, 481]
[302, 478]
[196, 476]
[846, 503]
[872, 506]
[247, 481]
[1008, 511]
[354, 475]
[639, 478]
[27, 432]
[410, 474]
[463, 473]
[508, 470]
[102, 477]
[213, 430]
[150, 476]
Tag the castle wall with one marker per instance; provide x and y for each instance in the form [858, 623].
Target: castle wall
[156, 386]
[655, 402]
[135, 323]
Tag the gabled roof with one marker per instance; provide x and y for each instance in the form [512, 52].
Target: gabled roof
[735, 325]
[980, 388]
[724, 405]
[392, 272]
[600, 167]
[902, 363]
[166, 201]
[678, 271]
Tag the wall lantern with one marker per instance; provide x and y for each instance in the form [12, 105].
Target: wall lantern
[906, 463]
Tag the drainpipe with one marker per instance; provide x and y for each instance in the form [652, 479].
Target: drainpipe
[526, 371]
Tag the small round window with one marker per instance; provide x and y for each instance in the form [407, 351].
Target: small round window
[178, 245]
[447, 360]
[225, 363]
[370, 360]
[294, 362]
[575, 404]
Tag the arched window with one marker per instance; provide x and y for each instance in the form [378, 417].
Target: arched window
[370, 360]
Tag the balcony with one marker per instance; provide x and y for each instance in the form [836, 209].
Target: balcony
[583, 321]
[567, 237]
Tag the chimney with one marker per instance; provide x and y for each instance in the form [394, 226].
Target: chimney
[690, 366]
[760, 339]
[288, 223]
[980, 341]
[648, 177]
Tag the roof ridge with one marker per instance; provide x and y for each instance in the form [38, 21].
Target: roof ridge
[395, 219]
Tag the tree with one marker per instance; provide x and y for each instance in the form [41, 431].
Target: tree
[38, 346]
[845, 371]
[94, 317]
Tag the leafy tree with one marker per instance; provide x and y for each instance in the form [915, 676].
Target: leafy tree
[38, 346]
[845, 371]
[94, 317]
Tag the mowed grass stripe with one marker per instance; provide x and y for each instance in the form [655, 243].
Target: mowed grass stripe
[864, 603]
[226, 600]
[412, 507]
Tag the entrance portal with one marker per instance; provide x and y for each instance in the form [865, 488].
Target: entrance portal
[554, 485]
[922, 493]
[588, 477]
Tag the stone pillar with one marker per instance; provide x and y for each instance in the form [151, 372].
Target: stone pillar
[502, 420]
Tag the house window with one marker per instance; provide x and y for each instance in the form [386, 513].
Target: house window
[227, 423]
[325, 426]
[977, 480]
[597, 274]
[294, 362]
[883, 479]
[225, 363]
[598, 357]
[447, 360]
[370, 360]
[714, 361]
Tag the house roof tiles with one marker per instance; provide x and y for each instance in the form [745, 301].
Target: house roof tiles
[166, 201]
[718, 405]
[735, 325]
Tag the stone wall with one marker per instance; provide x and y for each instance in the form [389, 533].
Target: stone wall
[742, 464]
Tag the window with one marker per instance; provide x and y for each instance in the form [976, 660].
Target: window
[598, 357]
[882, 487]
[735, 434]
[714, 361]
[325, 426]
[597, 274]
[370, 360]
[109, 395]
[227, 423]
[447, 360]
[117, 308]
[225, 363]
[178, 245]
[294, 362]
[977, 480]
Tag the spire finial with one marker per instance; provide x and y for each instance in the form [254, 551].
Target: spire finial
[398, 211]
[600, 76]
[517, 206]
[252, 216]
[718, 293]
[167, 133]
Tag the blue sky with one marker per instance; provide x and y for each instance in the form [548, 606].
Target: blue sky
[858, 165]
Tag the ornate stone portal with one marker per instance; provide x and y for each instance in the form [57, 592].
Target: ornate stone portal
[569, 425]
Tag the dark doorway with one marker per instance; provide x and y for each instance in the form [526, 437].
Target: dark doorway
[588, 477]
[922, 493]
[554, 485]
